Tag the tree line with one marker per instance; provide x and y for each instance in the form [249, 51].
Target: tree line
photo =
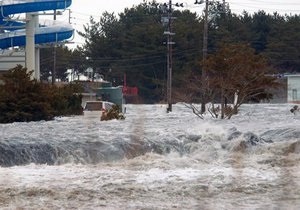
[24, 100]
[132, 42]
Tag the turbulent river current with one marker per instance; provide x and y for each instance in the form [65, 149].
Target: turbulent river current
[154, 160]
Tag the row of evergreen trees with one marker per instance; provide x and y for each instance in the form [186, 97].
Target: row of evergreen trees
[24, 100]
[132, 43]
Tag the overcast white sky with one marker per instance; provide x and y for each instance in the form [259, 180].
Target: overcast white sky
[83, 9]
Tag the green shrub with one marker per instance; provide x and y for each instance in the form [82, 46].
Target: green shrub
[113, 113]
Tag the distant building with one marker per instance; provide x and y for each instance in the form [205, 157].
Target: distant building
[279, 93]
[293, 88]
[10, 59]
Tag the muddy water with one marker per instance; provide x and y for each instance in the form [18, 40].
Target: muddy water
[154, 160]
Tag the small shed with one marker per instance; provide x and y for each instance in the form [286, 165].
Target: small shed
[293, 90]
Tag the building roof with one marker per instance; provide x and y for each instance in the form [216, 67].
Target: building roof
[292, 75]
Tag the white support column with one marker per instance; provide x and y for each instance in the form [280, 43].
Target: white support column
[30, 43]
[37, 73]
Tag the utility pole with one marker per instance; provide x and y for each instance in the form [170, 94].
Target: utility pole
[167, 21]
[205, 33]
[204, 55]
[54, 56]
[204, 73]
[169, 61]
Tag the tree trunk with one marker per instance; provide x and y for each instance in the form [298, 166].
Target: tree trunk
[235, 103]
[222, 103]
[203, 108]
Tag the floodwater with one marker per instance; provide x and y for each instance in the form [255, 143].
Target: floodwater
[154, 160]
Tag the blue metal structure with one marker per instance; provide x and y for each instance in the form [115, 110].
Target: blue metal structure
[44, 34]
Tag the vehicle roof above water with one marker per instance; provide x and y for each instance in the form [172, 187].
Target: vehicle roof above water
[96, 105]
[93, 105]
[99, 102]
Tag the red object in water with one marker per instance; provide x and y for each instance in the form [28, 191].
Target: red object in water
[129, 91]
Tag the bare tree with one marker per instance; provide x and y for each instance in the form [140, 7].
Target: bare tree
[235, 75]
[238, 75]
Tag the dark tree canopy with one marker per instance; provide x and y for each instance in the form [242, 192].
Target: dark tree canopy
[132, 42]
[23, 99]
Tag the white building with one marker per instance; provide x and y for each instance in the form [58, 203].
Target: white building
[11, 58]
[293, 89]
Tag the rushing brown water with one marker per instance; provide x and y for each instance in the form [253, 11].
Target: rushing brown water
[154, 160]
